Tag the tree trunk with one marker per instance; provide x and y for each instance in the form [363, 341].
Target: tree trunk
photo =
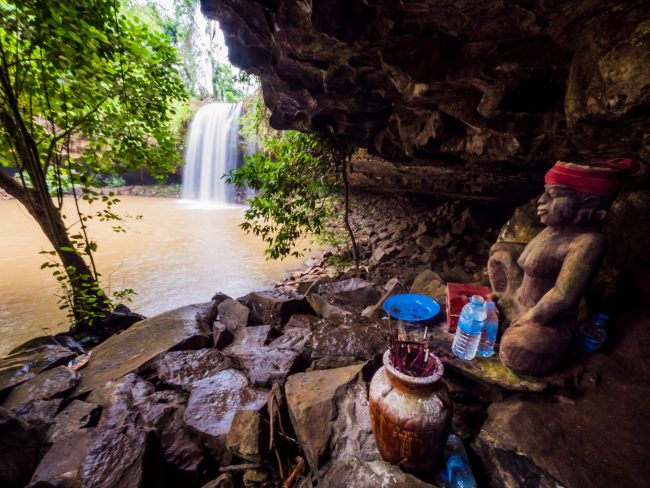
[48, 217]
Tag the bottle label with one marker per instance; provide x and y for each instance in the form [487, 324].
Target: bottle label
[470, 326]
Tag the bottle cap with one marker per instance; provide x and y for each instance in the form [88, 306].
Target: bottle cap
[601, 317]
[477, 300]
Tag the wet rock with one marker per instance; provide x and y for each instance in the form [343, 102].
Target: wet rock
[332, 338]
[294, 339]
[314, 395]
[39, 413]
[50, 384]
[256, 335]
[62, 463]
[117, 397]
[211, 312]
[596, 441]
[302, 320]
[124, 456]
[18, 450]
[264, 365]
[131, 350]
[224, 481]
[243, 440]
[275, 306]
[351, 429]
[332, 362]
[430, 284]
[22, 366]
[163, 412]
[120, 319]
[233, 314]
[215, 400]
[74, 417]
[221, 337]
[352, 472]
[179, 369]
[488, 371]
[351, 296]
[393, 287]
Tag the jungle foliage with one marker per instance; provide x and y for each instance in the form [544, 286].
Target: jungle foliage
[294, 177]
[86, 87]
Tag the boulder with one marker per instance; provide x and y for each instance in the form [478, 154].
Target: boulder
[243, 440]
[332, 338]
[294, 339]
[314, 395]
[215, 400]
[22, 366]
[134, 348]
[233, 314]
[19, 447]
[594, 440]
[211, 312]
[345, 296]
[393, 287]
[351, 428]
[275, 306]
[53, 383]
[117, 397]
[62, 463]
[221, 337]
[302, 320]
[120, 319]
[256, 335]
[163, 412]
[74, 417]
[264, 365]
[123, 456]
[179, 369]
[430, 284]
[352, 472]
[39, 413]
[333, 362]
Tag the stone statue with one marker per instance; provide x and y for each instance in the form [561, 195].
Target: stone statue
[539, 292]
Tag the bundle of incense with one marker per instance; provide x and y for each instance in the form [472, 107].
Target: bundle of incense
[409, 358]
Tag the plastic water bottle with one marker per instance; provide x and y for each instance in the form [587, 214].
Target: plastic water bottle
[592, 333]
[470, 325]
[457, 472]
[489, 333]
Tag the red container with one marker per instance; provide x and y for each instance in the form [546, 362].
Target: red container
[457, 296]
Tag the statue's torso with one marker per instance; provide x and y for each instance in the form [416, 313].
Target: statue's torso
[541, 261]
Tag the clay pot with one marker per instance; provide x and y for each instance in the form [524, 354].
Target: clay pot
[411, 417]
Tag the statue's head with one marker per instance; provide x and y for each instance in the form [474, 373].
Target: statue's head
[577, 194]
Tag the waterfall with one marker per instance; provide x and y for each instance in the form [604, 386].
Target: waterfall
[212, 150]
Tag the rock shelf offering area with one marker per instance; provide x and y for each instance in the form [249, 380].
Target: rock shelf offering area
[241, 392]
[222, 392]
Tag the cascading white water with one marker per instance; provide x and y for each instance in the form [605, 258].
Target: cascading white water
[212, 150]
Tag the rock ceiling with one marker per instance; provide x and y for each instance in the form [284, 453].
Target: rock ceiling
[515, 84]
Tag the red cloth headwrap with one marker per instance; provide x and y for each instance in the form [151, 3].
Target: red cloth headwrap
[602, 180]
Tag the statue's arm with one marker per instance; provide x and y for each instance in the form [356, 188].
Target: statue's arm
[580, 264]
[503, 270]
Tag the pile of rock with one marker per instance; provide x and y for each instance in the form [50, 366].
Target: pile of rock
[398, 236]
[174, 398]
[248, 392]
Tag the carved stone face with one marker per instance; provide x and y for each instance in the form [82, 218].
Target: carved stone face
[558, 205]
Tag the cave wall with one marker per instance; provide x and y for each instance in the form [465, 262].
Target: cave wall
[482, 86]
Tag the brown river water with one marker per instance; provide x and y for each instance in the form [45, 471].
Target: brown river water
[175, 255]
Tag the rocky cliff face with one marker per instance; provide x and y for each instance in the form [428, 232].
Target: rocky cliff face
[453, 84]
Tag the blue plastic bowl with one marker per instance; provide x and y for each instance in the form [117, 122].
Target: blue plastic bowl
[411, 307]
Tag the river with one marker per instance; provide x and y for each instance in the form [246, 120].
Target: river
[175, 255]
